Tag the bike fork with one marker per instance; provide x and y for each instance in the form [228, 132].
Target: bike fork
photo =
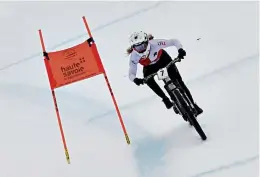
[193, 109]
[170, 88]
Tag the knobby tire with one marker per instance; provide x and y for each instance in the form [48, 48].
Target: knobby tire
[185, 111]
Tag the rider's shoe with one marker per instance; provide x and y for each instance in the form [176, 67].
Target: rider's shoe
[167, 102]
[198, 109]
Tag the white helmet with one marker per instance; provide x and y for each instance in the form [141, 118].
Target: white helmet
[139, 42]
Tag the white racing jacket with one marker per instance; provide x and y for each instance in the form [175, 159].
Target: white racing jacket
[153, 55]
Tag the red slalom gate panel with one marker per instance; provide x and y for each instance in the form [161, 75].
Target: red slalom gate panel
[72, 65]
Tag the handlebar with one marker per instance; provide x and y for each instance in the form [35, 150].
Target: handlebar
[152, 75]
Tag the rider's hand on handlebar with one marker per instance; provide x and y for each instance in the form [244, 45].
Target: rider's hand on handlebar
[182, 53]
[138, 81]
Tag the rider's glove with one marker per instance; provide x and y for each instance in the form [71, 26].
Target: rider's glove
[138, 81]
[182, 53]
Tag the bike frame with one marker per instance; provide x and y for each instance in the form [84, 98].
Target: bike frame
[169, 85]
[184, 105]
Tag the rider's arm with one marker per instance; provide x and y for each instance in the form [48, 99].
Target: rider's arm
[163, 43]
[132, 70]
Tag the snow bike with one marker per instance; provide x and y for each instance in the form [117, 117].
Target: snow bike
[183, 104]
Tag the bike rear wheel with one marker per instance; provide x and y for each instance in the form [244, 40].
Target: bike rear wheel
[183, 107]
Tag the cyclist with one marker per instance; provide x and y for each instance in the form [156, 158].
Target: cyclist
[150, 53]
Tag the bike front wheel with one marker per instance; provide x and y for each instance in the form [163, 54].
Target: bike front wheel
[186, 112]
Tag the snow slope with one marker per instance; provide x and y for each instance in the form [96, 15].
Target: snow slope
[221, 70]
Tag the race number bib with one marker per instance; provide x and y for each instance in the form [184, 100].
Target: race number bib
[162, 74]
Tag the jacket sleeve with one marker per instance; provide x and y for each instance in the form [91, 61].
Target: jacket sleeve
[132, 70]
[163, 43]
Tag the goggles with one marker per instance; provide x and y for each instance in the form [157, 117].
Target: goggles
[140, 47]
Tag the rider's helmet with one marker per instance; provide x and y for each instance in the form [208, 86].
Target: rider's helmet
[139, 42]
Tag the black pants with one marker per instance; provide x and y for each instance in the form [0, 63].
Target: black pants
[172, 71]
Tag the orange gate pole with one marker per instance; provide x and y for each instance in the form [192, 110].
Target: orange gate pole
[109, 87]
[55, 102]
